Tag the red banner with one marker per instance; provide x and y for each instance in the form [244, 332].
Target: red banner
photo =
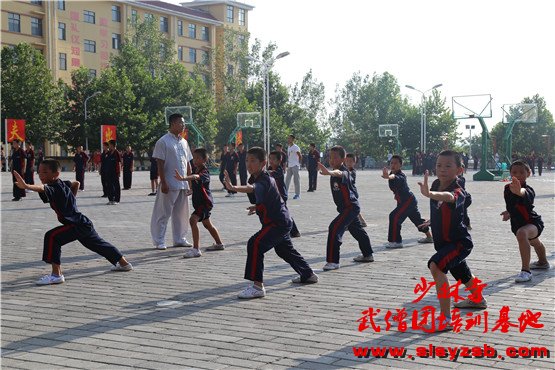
[15, 129]
[185, 133]
[239, 137]
[107, 133]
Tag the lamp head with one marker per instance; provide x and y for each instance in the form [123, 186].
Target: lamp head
[282, 55]
[436, 86]
[410, 87]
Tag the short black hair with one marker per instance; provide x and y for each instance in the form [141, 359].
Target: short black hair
[52, 164]
[258, 153]
[276, 154]
[350, 155]
[113, 142]
[451, 153]
[520, 163]
[397, 157]
[278, 144]
[339, 150]
[312, 144]
[16, 141]
[292, 136]
[105, 143]
[202, 152]
[174, 117]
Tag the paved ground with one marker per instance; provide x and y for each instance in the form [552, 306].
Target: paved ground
[174, 313]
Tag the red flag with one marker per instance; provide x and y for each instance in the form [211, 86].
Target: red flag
[107, 132]
[239, 137]
[185, 133]
[15, 129]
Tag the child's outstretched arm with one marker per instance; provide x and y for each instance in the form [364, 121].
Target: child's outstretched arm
[325, 171]
[239, 189]
[441, 196]
[386, 175]
[178, 176]
[75, 187]
[506, 215]
[516, 189]
[20, 183]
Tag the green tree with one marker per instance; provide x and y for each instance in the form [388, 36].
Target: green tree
[29, 92]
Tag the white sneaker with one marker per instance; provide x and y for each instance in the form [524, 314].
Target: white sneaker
[362, 258]
[50, 279]
[119, 267]
[426, 240]
[229, 195]
[252, 292]
[161, 246]
[523, 277]
[393, 245]
[330, 266]
[538, 266]
[191, 253]
[183, 244]
[216, 247]
[313, 279]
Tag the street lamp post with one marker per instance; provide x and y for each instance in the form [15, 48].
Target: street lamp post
[266, 67]
[84, 126]
[423, 115]
[470, 128]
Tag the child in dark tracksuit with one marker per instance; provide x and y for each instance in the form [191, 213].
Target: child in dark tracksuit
[276, 171]
[407, 206]
[344, 197]
[75, 226]
[276, 227]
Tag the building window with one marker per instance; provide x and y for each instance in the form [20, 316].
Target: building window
[205, 33]
[116, 13]
[116, 41]
[229, 14]
[241, 40]
[205, 59]
[164, 24]
[61, 31]
[90, 46]
[180, 28]
[14, 24]
[180, 53]
[241, 17]
[88, 16]
[192, 31]
[36, 2]
[134, 16]
[230, 69]
[92, 73]
[61, 5]
[192, 55]
[148, 17]
[36, 26]
[63, 61]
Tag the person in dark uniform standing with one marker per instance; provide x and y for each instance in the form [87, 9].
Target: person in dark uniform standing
[30, 167]
[276, 226]
[113, 172]
[276, 171]
[348, 207]
[128, 166]
[313, 159]
[242, 153]
[18, 161]
[232, 163]
[153, 175]
[223, 164]
[80, 164]
[103, 169]
[279, 148]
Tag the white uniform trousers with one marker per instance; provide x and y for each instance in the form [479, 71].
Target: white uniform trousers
[175, 204]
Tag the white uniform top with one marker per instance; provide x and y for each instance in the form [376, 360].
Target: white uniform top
[292, 156]
[175, 153]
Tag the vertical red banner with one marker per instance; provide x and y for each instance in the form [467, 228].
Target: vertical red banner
[239, 137]
[15, 129]
[185, 133]
[107, 133]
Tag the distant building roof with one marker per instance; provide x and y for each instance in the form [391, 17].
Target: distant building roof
[191, 12]
[197, 3]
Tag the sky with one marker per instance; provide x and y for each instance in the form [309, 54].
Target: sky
[471, 47]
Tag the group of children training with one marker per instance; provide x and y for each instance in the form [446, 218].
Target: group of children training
[266, 192]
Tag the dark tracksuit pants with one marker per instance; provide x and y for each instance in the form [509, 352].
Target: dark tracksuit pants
[346, 220]
[57, 237]
[405, 209]
[233, 180]
[467, 203]
[29, 178]
[278, 238]
[312, 177]
[17, 192]
[113, 187]
[452, 257]
[243, 176]
[127, 178]
[80, 176]
[103, 180]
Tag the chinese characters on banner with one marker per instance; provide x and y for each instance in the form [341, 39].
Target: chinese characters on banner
[417, 319]
[75, 40]
[15, 129]
[107, 133]
[239, 137]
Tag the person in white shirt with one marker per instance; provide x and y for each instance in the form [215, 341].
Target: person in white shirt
[172, 199]
[294, 159]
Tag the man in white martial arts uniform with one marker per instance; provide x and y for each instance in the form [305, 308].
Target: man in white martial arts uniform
[172, 199]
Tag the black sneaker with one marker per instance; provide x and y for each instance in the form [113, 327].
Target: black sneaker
[16, 199]
[295, 235]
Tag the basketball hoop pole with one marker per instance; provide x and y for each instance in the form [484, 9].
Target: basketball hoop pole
[423, 115]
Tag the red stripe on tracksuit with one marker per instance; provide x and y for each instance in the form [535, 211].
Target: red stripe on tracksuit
[396, 218]
[52, 236]
[448, 257]
[344, 213]
[255, 248]
[521, 208]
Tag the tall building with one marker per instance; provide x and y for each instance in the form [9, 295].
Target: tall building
[71, 34]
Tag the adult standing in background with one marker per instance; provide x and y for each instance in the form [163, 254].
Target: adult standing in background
[312, 166]
[242, 153]
[112, 171]
[294, 158]
[18, 161]
[279, 148]
[79, 165]
[172, 154]
[30, 167]
[128, 165]
[102, 168]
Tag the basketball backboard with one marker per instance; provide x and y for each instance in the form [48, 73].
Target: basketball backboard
[248, 120]
[471, 106]
[522, 112]
[185, 111]
[388, 130]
